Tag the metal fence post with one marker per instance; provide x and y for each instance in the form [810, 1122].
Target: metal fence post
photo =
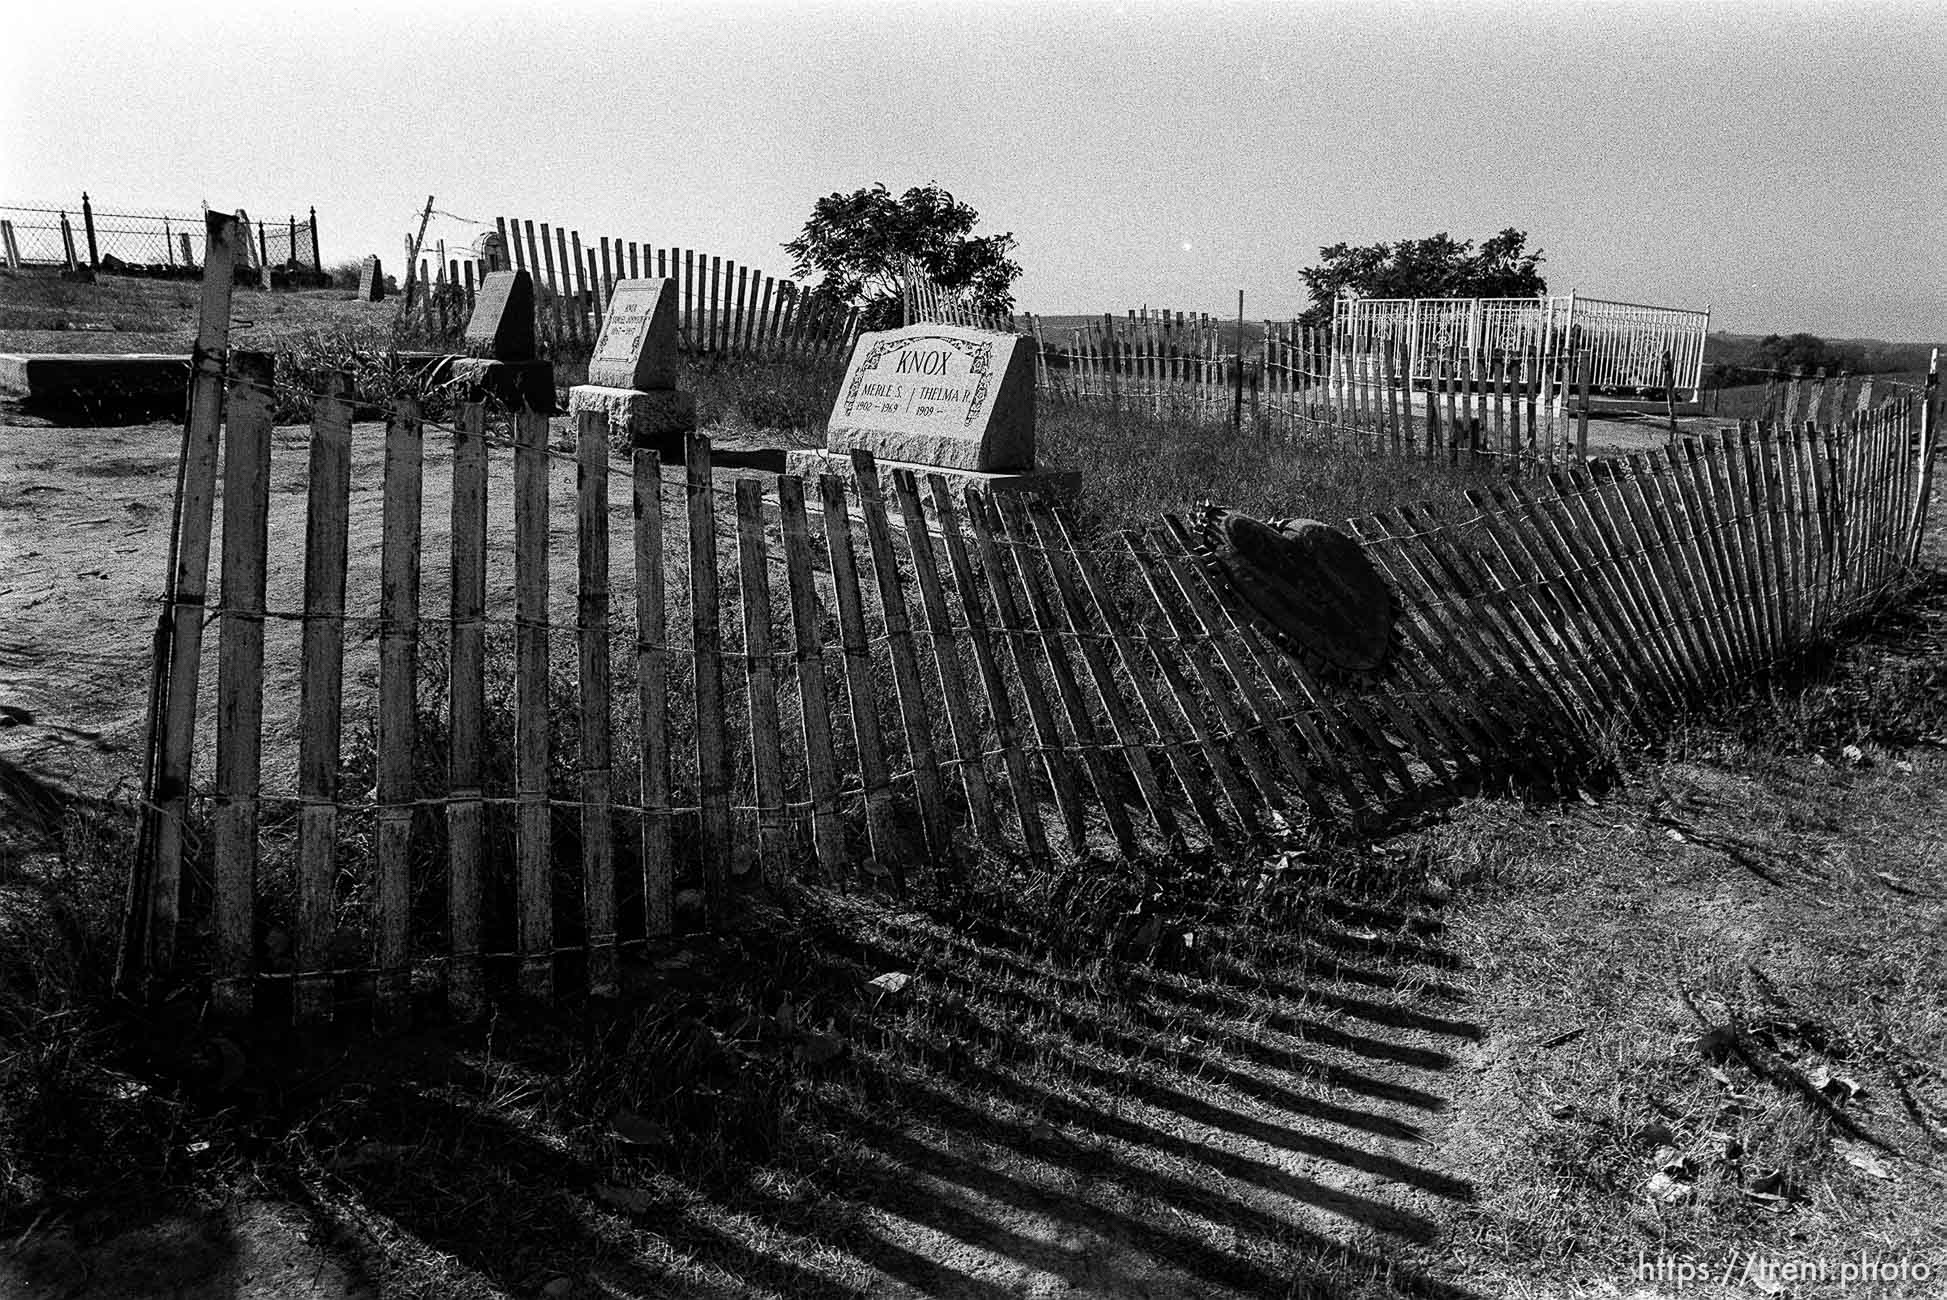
[88, 221]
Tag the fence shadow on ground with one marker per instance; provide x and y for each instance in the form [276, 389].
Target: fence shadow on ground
[1231, 1093]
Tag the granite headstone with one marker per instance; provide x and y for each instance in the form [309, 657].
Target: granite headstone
[502, 324]
[371, 280]
[637, 345]
[938, 395]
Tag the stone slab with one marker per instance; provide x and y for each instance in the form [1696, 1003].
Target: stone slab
[637, 346]
[1042, 482]
[142, 385]
[938, 395]
[657, 420]
[502, 324]
[371, 280]
[513, 384]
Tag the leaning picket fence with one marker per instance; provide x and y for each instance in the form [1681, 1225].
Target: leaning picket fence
[450, 781]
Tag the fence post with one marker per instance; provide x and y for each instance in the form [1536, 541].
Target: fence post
[88, 221]
[155, 880]
[1237, 405]
[1929, 449]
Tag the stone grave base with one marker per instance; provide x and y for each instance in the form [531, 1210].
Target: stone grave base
[105, 388]
[1045, 482]
[512, 384]
[656, 420]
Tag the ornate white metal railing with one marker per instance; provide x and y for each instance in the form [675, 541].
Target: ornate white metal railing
[1627, 343]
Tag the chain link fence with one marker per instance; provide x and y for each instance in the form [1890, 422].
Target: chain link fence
[152, 241]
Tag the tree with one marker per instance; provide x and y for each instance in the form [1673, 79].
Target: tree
[858, 244]
[1435, 267]
[1807, 352]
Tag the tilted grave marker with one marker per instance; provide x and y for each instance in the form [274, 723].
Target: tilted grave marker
[371, 280]
[502, 324]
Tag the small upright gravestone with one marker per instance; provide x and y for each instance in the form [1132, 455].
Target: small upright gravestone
[936, 398]
[502, 324]
[632, 375]
[499, 360]
[371, 280]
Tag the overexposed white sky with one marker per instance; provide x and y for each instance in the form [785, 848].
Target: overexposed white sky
[1781, 163]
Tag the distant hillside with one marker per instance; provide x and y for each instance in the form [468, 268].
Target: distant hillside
[1863, 356]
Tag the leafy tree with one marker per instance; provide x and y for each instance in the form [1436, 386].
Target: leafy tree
[859, 242]
[1435, 267]
[1807, 352]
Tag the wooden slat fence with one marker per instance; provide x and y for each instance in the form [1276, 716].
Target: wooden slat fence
[724, 309]
[498, 763]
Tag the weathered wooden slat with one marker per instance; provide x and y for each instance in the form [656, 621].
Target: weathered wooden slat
[1112, 618]
[714, 323]
[569, 301]
[1465, 653]
[1051, 536]
[240, 679]
[1762, 462]
[1789, 454]
[766, 747]
[1593, 528]
[173, 715]
[592, 696]
[1586, 580]
[821, 768]
[1570, 610]
[562, 321]
[1513, 571]
[1237, 731]
[914, 709]
[1647, 498]
[1702, 527]
[533, 846]
[1615, 577]
[1754, 522]
[466, 712]
[1648, 574]
[1007, 617]
[1719, 507]
[888, 841]
[713, 772]
[652, 696]
[1677, 568]
[397, 713]
[1449, 660]
[953, 690]
[1824, 541]
[1209, 614]
[1007, 516]
[1000, 706]
[1517, 643]
[320, 697]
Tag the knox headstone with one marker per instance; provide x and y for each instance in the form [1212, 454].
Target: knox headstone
[637, 346]
[941, 395]
[502, 324]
